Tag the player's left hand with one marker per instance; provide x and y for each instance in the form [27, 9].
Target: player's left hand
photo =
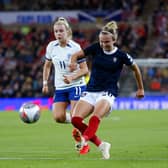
[140, 93]
[67, 79]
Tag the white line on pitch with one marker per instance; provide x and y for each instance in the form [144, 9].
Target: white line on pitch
[80, 158]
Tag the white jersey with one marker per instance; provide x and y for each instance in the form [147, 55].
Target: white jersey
[60, 57]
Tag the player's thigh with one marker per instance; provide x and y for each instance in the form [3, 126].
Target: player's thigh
[102, 108]
[82, 109]
[59, 108]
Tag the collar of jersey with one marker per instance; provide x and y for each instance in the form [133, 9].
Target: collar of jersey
[111, 52]
[68, 45]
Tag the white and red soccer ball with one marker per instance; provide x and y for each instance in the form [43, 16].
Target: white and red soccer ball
[29, 112]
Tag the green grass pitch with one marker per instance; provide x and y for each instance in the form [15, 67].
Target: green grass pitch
[139, 140]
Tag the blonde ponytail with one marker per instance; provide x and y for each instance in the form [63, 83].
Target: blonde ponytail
[112, 28]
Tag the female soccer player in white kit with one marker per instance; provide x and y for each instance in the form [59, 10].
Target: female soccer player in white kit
[68, 85]
[107, 63]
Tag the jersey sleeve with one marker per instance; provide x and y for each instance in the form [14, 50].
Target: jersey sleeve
[91, 50]
[81, 60]
[48, 52]
[128, 60]
[88, 51]
[77, 49]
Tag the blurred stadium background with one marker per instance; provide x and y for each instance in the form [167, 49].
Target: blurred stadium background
[26, 29]
[139, 137]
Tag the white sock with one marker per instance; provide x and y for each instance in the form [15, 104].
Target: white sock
[100, 146]
[68, 118]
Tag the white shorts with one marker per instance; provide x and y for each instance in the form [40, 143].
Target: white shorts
[93, 97]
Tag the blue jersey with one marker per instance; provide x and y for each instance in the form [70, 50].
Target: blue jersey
[106, 68]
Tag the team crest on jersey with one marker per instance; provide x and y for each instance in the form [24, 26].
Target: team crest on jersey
[114, 59]
[68, 55]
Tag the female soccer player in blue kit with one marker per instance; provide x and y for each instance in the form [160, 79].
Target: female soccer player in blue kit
[68, 85]
[98, 99]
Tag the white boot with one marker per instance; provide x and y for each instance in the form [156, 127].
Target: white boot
[104, 147]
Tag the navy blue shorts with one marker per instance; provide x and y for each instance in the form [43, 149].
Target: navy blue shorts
[67, 95]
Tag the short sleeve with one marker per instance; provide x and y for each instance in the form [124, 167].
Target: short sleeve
[48, 52]
[91, 50]
[128, 60]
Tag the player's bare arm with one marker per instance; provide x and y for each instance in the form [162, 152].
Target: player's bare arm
[81, 72]
[74, 58]
[46, 73]
[138, 77]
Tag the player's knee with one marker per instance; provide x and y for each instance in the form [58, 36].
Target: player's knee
[59, 119]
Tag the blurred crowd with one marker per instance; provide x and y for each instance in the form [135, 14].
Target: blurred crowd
[158, 77]
[40, 5]
[160, 30]
[22, 50]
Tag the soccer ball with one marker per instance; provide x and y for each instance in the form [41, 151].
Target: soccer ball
[29, 112]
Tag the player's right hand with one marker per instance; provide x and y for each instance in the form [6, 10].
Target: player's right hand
[140, 93]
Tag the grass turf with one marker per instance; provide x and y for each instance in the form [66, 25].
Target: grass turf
[139, 140]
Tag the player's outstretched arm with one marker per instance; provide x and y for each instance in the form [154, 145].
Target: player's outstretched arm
[83, 70]
[74, 58]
